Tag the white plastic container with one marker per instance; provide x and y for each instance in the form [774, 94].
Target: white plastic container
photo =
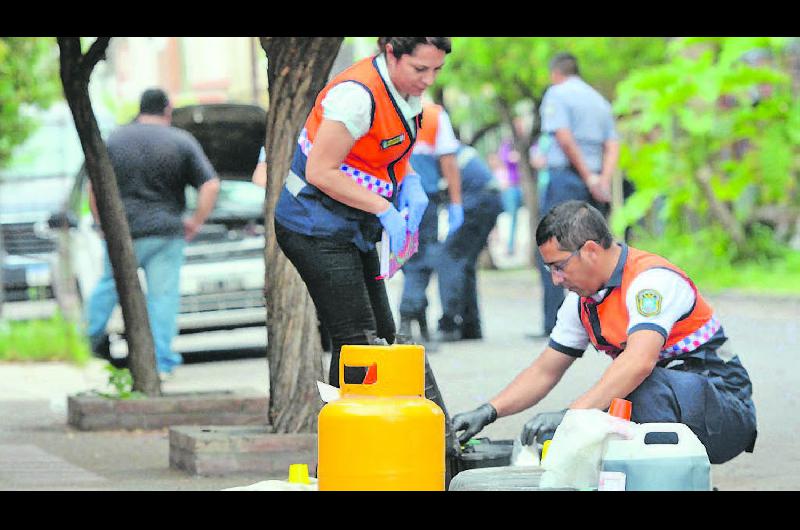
[661, 456]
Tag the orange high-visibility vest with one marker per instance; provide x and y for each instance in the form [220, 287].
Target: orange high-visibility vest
[430, 125]
[606, 321]
[379, 159]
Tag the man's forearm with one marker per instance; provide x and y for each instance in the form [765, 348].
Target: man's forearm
[206, 199]
[532, 384]
[610, 158]
[626, 373]
[452, 176]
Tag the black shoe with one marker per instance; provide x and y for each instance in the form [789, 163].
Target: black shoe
[101, 346]
[471, 332]
[119, 362]
[448, 335]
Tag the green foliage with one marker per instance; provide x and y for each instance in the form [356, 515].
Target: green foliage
[121, 380]
[696, 117]
[484, 72]
[53, 339]
[713, 270]
[28, 75]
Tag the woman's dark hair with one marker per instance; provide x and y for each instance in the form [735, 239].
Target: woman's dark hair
[573, 223]
[407, 45]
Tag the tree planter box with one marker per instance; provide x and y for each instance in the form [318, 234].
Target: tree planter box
[89, 412]
[224, 450]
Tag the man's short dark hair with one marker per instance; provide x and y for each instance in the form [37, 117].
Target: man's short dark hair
[406, 45]
[154, 101]
[566, 63]
[573, 223]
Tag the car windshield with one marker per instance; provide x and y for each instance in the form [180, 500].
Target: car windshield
[237, 198]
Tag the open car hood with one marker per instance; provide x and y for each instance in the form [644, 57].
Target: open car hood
[231, 135]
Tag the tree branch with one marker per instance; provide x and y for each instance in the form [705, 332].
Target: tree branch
[96, 52]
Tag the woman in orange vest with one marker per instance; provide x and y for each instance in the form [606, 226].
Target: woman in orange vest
[350, 179]
[648, 316]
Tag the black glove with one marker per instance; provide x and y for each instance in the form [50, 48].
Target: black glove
[541, 427]
[473, 421]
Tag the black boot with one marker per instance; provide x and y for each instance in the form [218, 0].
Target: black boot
[423, 327]
[430, 343]
[405, 327]
[471, 331]
[449, 330]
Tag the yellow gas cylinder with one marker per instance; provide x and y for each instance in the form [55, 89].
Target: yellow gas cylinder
[382, 434]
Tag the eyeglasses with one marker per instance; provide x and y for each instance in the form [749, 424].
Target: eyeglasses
[559, 266]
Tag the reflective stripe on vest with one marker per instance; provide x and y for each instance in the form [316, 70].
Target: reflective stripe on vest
[606, 321]
[362, 178]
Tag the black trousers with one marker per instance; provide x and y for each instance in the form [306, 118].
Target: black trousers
[341, 281]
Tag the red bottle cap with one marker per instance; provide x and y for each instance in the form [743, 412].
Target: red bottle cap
[621, 408]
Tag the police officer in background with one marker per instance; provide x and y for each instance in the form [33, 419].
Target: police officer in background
[581, 160]
[434, 158]
[438, 154]
[458, 259]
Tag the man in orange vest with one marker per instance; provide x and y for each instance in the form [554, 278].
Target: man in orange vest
[647, 315]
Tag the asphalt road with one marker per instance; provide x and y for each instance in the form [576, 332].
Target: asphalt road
[38, 451]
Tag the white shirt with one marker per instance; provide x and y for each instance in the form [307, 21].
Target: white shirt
[669, 295]
[350, 104]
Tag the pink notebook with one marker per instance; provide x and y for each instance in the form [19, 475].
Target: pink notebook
[391, 263]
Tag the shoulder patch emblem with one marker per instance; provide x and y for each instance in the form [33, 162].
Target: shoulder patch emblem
[648, 302]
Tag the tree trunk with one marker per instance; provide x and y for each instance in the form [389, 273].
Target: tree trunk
[719, 210]
[527, 178]
[297, 70]
[76, 68]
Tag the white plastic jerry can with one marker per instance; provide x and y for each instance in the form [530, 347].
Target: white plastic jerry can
[661, 456]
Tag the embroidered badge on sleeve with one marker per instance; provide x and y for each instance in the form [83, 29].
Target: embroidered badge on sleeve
[648, 302]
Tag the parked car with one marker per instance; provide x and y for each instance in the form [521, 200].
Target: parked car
[33, 184]
[222, 280]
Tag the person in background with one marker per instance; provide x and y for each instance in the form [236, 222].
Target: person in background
[259, 177]
[511, 190]
[458, 261]
[153, 163]
[582, 158]
[349, 180]
[434, 159]
[644, 312]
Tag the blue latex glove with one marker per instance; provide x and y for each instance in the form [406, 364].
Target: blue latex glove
[455, 217]
[395, 225]
[413, 197]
